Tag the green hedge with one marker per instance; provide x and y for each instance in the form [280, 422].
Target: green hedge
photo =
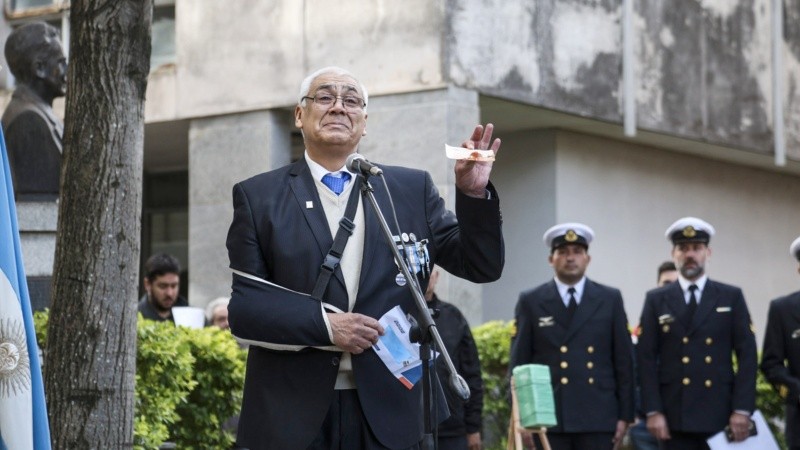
[493, 340]
[188, 382]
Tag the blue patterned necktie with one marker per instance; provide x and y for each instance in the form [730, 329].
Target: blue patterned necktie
[336, 184]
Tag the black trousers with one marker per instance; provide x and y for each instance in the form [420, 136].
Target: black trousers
[452, 442]
[685, 441]
[577, 441]
[345, 427]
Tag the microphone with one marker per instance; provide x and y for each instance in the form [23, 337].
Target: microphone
[356, 163]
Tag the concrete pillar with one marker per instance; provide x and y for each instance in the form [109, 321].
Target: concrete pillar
[224, 150]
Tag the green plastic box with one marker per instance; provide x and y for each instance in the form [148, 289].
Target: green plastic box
[534, 396]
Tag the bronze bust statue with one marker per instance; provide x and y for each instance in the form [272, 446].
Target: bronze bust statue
[32, 131]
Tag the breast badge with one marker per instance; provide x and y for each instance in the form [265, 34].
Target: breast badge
[546, 321]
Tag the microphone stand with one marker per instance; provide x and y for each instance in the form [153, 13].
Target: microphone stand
[427, 327]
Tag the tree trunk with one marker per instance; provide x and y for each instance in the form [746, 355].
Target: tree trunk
[91, 347]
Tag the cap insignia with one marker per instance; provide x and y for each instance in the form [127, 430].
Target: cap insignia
[571, 236]
[689, 232]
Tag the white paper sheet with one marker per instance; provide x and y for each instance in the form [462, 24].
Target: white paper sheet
[465, 153]
[189, 316]
[762, 441]
[396, 350]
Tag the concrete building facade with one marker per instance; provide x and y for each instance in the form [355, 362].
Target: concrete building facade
[623, 115]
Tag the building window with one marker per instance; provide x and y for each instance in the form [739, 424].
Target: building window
[165, 219]
[163, 35]
[34, 7]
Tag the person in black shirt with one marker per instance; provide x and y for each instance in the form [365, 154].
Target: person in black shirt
[462, 430]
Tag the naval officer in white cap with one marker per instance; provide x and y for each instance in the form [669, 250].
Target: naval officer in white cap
[780, 360]
[579, 328]
[689, 330]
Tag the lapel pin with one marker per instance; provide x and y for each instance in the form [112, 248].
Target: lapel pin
[309, 204]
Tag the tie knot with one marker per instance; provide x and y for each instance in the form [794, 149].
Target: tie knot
[693, 288]
[571, 291]
[334, 183]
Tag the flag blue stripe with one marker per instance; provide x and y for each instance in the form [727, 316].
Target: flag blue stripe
[11, 265]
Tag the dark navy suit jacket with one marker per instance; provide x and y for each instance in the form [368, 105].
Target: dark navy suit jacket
[780, 360]
[686, 369]
[590, 357]
[276, 237]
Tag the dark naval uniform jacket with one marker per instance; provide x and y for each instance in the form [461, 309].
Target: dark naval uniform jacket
[686, 368]
[590, 358]
[780, 360]
[280, 234]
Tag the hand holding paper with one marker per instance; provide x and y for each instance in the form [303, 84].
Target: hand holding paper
[467, 154]
[472, 174]
[396, 350]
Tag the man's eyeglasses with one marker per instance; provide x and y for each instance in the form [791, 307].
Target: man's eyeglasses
[350, 102]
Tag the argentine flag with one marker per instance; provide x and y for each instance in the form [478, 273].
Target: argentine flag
[23, 413]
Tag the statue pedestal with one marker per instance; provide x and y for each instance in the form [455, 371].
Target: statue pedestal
[38, 221]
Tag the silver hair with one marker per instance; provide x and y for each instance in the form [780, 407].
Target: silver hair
[306, 84]
[213, 304]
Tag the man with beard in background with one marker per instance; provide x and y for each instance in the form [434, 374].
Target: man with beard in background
[689, 331]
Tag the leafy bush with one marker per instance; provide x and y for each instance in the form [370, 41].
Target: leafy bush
[188, 382]
[493, 340]
[771, 406]
[164, 379]
[219, 372]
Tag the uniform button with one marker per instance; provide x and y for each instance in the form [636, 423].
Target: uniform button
[564, 380]
[708, 383]
[686, 381]
[685, 360]
[709, 341]
[591, 380]
[708, 360]
[590, 349]
[335, 361]
[685, 340]
[563, 349]
[564, 364]
[589, 365]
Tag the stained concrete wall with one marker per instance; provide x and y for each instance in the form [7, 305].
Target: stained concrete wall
[703, 68]
[250, 54]
[791, 78]
[629, 195]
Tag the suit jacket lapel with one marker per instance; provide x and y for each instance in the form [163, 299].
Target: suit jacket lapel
[708, 301]
[586, 309]
[676, 303]
[552, 306]
[304, 190]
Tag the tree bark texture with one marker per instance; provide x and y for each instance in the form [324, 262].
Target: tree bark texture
[91, 350]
